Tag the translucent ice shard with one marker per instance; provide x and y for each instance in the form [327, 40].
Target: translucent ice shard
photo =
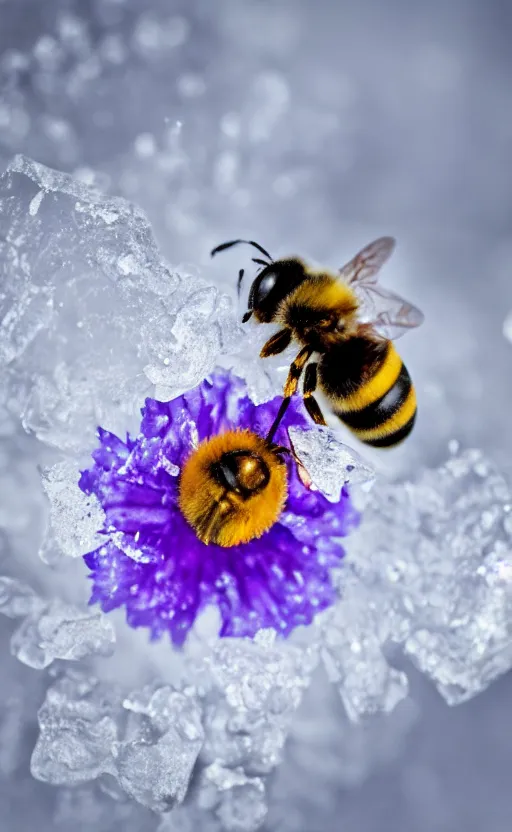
[329, 463]
[77, 732]
[74, 517]
[91, 316]
[163, 738]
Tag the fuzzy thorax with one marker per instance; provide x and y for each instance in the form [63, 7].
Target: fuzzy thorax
[321, 311]
[241, 507]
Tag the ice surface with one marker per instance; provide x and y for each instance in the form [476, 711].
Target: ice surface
[429, 570]
[92, 317]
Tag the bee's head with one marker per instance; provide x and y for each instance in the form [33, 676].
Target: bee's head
[273, 284]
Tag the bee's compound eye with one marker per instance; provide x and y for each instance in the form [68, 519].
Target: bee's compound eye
[243, 471]
[263, 285]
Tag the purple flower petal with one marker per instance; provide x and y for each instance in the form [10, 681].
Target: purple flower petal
[153, 563]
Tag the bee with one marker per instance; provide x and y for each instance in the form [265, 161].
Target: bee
[349, 322]
[233, 487]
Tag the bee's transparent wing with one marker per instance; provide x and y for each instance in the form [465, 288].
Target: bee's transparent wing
[363, 269]
[389, 315]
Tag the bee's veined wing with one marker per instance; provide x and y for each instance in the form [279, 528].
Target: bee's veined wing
[362, 270]
[389, 315]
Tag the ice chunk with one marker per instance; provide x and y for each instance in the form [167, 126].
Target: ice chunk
[147, 743]
[328, 462]
[77, 732]
[74, 517]
[262, 685]
[203, 327]
[436, 555]
[164, 736]
[92, 317]
[17, 599]
[62, 631]
[353, 634]
[238, 801]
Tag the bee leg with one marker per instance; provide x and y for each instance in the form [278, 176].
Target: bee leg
[280, 449]
[277, 343]
[310, 380]
[291, 384]
[310, 403]
[277, 421]
[211, 522]
[208, 523]
[296, 370]
[314, 411]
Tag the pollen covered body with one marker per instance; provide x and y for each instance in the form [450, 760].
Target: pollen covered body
[233, 488]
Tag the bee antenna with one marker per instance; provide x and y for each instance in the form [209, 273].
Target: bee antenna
[259, 262]
[224, 246]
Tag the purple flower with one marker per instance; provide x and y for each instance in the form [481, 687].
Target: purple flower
[152, 561]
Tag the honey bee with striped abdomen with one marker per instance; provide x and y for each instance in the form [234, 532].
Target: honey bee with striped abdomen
[346, 322]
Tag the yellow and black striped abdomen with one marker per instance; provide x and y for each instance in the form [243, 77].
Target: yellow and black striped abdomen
[370, 390]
